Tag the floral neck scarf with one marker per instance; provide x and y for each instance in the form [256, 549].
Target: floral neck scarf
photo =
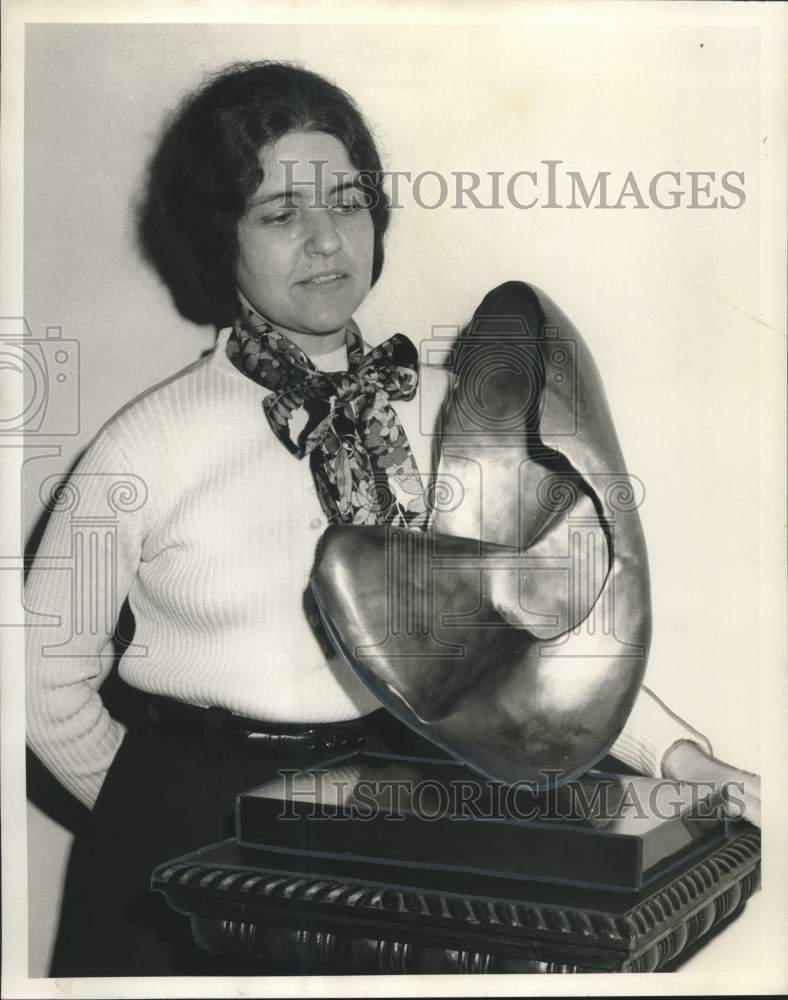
[359, 454]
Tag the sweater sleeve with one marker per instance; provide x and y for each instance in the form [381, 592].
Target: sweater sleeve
[650, 731]
[88, 556]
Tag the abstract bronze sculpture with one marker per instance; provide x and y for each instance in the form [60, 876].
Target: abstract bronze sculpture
[514, 633]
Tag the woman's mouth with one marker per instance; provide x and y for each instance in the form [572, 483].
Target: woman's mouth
[331, 278]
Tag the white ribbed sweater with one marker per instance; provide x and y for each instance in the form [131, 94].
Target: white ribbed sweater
[212, 539]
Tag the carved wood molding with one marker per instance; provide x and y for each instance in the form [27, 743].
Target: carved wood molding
[643, 939]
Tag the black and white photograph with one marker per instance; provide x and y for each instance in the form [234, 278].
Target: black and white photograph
[393, 544]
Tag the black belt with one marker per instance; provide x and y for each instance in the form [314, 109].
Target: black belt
[217, 724]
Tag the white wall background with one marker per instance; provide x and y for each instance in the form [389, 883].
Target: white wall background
[667, 300]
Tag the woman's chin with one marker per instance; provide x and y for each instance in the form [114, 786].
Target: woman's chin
[325, 322]
[326, 308]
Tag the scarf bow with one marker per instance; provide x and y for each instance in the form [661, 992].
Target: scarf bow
[360, 457]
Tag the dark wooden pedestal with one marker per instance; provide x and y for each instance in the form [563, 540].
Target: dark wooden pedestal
[297, 914]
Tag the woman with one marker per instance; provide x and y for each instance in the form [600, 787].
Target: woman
[266, 212]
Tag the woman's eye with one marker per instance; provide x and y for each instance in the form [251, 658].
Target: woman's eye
[354, 203]
[280, 218]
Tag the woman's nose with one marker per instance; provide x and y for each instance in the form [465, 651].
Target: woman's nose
[322, 237]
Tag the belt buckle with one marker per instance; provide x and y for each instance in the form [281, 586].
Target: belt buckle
[329, 741]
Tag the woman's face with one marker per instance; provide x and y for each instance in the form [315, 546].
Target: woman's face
[306, 240]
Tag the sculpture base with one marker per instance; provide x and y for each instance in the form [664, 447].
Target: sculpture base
[602, 830]
[292, 908]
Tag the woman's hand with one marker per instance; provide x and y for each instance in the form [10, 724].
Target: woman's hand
[741, 790]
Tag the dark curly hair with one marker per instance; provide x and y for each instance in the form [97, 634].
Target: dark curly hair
[207, 166]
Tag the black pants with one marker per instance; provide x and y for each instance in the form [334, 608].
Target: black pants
[165, 795]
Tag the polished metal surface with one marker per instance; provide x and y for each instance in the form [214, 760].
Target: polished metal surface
[515, 632]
